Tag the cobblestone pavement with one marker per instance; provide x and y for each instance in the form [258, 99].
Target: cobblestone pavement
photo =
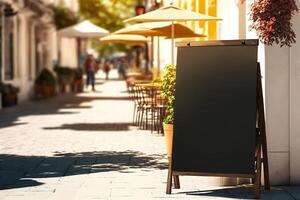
[84, 147]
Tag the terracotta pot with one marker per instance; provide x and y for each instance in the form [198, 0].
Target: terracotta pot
[9, 99]
[168, 132]
[45, 91]
[62, 87]
[77, 86]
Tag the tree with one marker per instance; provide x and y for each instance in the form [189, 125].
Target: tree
[110, 15]
[63, 17]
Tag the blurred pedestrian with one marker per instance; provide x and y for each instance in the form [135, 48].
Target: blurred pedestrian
[106, 68]
[121, 69]
[90, 67]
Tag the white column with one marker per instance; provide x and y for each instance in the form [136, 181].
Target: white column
[242, 19]
[283, 110]
[277, 101]
[2, 43]
[295, 105]
[229, 26]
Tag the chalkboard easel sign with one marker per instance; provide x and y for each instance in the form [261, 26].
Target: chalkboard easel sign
[219, 127]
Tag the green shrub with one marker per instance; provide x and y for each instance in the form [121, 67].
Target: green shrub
[65, 75]
[168, 82]
[45, 78]
[78, 74]
[8, 88]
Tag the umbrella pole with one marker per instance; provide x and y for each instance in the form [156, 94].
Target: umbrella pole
[172, 42]
[158, 56]
[152, 51]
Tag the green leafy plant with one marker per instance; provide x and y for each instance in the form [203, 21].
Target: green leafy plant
[45, 78]
[65, 74]
[63, 16]
[272, 21]
[8, 88]
[109, 15]
[168, 82]
[78, 74]
[9, 94]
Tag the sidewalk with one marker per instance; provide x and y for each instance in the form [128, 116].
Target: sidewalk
[84, 147]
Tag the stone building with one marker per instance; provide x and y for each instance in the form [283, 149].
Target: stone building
[29, 42]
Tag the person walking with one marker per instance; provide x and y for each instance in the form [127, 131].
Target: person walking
[90, 67]
[121, 69]
[106, 68]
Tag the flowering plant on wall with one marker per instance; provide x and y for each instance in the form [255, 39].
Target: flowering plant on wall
[272, 21]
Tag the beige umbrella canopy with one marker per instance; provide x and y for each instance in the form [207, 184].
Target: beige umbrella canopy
[84, 29]
[171, 13]
[159, 29]
[125, 39]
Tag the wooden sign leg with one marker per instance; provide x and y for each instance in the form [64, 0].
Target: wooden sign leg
[257, 184]
[262, 129]
[176, 182]
[169, 179]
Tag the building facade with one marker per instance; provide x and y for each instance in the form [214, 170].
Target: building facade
[29, 42]
[25, 34]
[65, 49]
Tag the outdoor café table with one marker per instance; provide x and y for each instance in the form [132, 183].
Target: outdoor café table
[155, 102]
[148, 85]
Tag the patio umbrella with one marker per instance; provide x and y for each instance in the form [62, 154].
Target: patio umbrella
[159, 29]
[171, 13]
[125, 39]
[84, 29]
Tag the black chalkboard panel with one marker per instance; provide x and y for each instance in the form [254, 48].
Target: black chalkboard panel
[215, 109]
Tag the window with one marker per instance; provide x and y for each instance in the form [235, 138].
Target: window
[9, 50]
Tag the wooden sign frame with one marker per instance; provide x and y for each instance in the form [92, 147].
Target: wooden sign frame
[261, 157]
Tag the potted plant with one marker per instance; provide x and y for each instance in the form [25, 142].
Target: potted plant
[272, 21]
[65, 77]
[9, 94]
[77, 84]
[168, 81]
[44, 84]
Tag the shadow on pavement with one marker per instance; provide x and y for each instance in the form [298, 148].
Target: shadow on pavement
[93, 127]
[52, 106]
[239, 192]
[21, 184]
[20, 171]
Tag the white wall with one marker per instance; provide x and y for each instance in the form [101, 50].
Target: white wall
[277, 112]
[229, 13]
[295, 105]
[68, 48]
[282, 110]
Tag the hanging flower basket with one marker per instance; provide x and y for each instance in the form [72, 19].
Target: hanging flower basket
[272, 21]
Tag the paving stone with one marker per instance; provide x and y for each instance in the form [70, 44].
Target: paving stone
[293, 191]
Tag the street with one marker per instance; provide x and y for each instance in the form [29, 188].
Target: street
[83, 146]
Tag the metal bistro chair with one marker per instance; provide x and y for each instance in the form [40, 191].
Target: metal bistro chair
[158, 111]
[140, 105]
[153, 108]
